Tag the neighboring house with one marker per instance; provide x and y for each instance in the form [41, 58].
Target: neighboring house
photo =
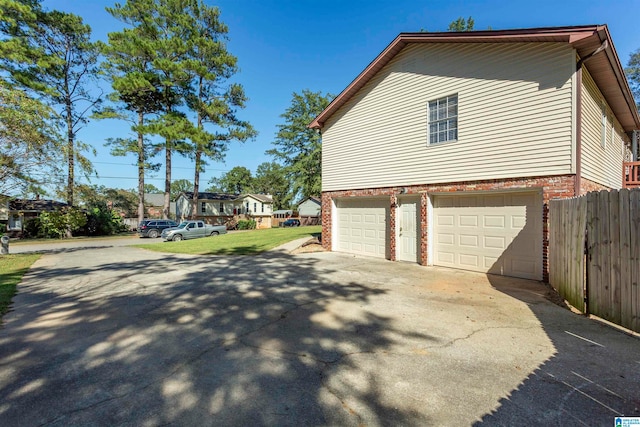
[220, 208]
[213, 208]
[283, 213]
[447, 148]
[309, 210]
[154, 204]
[258, 207]
[21, 210]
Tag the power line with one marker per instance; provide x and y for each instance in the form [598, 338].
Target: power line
[172, 167]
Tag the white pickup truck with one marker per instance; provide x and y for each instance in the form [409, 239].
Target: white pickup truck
[192, 230]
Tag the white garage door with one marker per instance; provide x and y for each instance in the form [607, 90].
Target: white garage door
[362, 226]
[497, 233]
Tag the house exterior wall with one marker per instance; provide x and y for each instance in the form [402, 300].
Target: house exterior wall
[183, 207]
[513, 121]
[212, 209]
[553, 187]
[601, 163]
[309, 208]
[257, 207]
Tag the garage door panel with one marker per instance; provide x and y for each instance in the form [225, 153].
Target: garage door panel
[468, 260]
[445, 258]
[495, 242]
[496, 233]
[488, 262]
[445, 238]
[518, 221]
[468, 221]
[364, 222]
[493, 221]
[445, 220]
[470, 241]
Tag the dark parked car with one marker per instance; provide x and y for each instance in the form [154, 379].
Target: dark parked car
[291, 223]
[153, 227]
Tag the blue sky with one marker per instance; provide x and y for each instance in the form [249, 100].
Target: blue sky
[287, 46]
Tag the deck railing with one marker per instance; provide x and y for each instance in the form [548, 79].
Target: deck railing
[631, 174]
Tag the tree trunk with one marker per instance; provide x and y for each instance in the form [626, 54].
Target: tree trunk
[141, 162]
[167, 180]
[196, 185]
[70, 153]
[196, 178]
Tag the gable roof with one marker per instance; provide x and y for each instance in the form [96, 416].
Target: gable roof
[210, 196]
[604, 67]
[313, 199]
[154, 199]
[35, 205]
[264, 198]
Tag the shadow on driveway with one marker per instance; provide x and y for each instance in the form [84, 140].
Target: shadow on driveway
[592, 377]
[191, 341]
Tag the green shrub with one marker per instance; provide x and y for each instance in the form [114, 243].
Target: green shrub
[33, 228]
[103, 221]
[62, 222]
[246, 224]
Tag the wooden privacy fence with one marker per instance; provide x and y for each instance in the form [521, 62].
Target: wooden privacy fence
[594, 254]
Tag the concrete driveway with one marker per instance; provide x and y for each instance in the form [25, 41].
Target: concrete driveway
[123, 336]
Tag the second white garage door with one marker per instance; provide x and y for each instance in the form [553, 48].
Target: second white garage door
[362, 226]
[498, 233]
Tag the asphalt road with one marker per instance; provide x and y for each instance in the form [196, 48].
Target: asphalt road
[123, 336]
[75, 245]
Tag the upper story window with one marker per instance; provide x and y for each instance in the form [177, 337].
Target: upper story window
[262, 207]
[443, 120]
[255, 207]
[221, 207]
[203, 207]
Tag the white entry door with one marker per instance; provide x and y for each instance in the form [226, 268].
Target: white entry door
[408, 235]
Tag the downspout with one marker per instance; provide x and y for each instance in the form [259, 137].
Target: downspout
[577, 183]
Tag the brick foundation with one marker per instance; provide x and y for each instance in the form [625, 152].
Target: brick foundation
[554, 187]
[587, 186]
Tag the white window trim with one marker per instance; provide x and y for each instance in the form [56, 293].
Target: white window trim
[457, 116]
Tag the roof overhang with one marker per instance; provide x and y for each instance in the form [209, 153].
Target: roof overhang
[604, 67]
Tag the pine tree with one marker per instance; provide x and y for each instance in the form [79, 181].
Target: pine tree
[298, 147]
[128, 65]
[50, 55]
[214, 101]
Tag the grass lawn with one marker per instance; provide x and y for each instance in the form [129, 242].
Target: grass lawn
[245, 243]
[12, 268]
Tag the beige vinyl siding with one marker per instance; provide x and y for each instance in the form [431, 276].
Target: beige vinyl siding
[515, 114]
[600, 164]
[183, 207]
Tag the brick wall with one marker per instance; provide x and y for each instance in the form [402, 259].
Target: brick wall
[555, 187]
[586, 186]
